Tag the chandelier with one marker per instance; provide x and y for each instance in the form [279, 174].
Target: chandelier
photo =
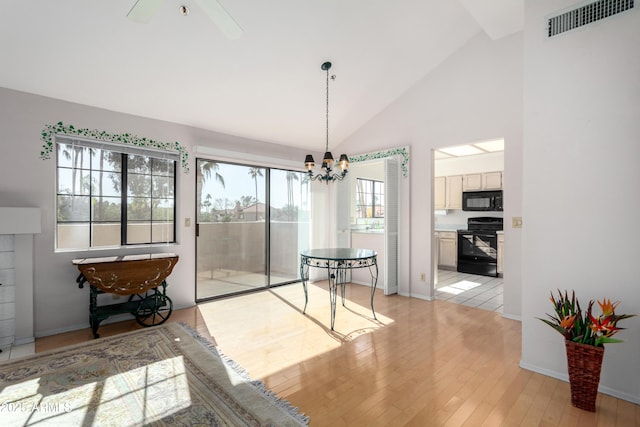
[327, 173]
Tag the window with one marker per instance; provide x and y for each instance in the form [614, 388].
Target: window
[112, 195]
[369, 198]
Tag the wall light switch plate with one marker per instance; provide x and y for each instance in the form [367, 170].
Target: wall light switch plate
[516, 222]
[187, 222]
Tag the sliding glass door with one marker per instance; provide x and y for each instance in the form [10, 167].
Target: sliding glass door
[251, 221]
[289, 228]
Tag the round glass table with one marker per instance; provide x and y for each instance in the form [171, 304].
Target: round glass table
[338, 261]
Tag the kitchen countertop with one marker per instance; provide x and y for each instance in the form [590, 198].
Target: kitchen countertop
[449, 227]
[370, 231]
[447, 230]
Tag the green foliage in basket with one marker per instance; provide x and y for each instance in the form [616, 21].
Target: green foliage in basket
[579, 326]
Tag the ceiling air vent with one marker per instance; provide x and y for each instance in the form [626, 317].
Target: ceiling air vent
[587, 14]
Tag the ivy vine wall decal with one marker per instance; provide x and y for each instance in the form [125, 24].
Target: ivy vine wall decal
[49, 132]
[402, 151]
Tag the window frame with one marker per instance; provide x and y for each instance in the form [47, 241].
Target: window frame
[375, 184]
[124, 174]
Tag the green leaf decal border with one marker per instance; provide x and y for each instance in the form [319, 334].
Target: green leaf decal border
[402, 151]
[49, 132]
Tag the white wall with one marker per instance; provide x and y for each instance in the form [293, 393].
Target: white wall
[28, 181]
[581, 182]
[475, 95]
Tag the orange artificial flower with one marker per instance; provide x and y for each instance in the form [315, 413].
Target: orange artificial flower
[567, 322]
[607, 308]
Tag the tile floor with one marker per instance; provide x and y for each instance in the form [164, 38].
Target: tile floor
[469, 289]
[16, 351]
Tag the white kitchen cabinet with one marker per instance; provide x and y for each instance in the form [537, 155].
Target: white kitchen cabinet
[447, 249]
[440, 192]
[492, 180]
[482, 181]
[500, 252]
[472, 182]
[447, 192]
[454, 192]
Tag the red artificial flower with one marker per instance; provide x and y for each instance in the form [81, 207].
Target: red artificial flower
[603, 325]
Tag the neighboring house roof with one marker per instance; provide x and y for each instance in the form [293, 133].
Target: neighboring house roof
[261, 208]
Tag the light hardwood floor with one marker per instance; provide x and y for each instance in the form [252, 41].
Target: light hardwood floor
[419, 364]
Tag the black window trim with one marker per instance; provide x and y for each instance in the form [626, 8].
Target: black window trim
[124, 150]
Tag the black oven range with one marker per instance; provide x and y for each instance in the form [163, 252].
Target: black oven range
[478, 246]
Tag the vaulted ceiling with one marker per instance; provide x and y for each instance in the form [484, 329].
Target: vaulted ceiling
[265, 84]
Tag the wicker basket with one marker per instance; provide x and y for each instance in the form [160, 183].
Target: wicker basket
[584, 363]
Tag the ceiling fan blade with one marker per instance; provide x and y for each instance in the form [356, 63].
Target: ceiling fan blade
[143, 10]
[221, 18]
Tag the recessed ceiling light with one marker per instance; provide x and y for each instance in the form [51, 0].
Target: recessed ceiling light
[491, 146]
[462, 150]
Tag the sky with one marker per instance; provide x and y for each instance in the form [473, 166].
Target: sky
[239, 183]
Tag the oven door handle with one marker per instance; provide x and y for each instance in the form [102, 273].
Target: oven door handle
[479, 234]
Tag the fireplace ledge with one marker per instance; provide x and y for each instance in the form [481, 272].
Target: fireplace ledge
[22, 223]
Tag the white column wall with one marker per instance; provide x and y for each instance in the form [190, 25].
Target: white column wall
[581, 183]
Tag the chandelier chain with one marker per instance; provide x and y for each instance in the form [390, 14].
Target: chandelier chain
[327, 115]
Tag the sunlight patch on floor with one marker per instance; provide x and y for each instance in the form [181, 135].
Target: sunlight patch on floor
[459, 287]
[31, 403]
[279, 312]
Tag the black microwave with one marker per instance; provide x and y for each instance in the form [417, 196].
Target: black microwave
[482, 200]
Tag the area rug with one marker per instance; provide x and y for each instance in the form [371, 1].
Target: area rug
[164, 375]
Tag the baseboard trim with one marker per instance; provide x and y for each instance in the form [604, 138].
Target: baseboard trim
[512, 317]
[26, 340]
[367, 284]
[422, 297]
[565, 377]
[112, 319]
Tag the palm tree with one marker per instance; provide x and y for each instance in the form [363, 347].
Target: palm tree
[254, 173]
[207, 204]
[204, 171]
[291, 176]
[76, 154]
[100, 207]
[305, 183]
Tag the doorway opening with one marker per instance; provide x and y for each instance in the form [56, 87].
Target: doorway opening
[458, 170]
[371, 204]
